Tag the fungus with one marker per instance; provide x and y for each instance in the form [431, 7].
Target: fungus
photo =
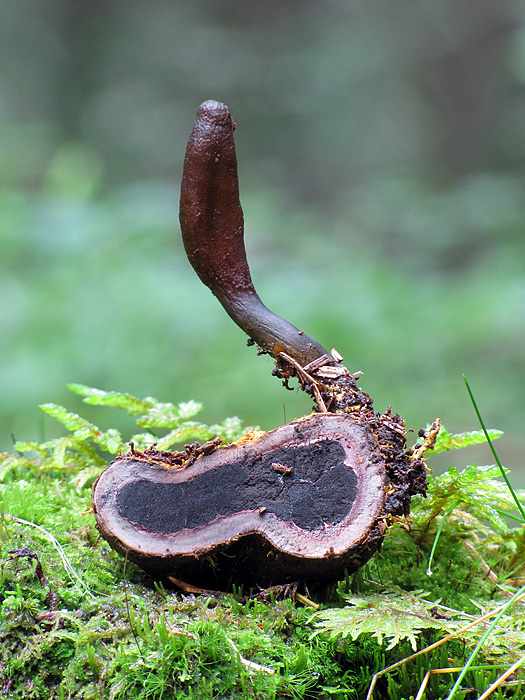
[307, 500]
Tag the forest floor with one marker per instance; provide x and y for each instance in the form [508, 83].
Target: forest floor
[78, 621]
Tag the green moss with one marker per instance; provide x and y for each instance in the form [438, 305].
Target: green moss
[118, 634]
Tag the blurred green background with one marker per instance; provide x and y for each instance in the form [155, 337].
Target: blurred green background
[382, 166]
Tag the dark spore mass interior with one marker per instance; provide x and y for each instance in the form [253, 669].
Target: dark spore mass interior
[309, 485]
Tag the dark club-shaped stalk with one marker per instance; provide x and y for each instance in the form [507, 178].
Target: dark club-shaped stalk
[212, 225]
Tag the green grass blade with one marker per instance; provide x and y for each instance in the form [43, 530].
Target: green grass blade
[517, 596]
[438, 534]
[502, 470]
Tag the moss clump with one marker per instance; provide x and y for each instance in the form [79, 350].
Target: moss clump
[100, 628]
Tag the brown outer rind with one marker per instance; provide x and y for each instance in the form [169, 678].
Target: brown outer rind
[212, 226]
[253, 546]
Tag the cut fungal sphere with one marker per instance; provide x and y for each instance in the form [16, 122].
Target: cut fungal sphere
[302, 501]
[314, 488]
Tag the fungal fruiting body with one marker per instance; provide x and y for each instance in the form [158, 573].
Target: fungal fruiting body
[308, 500]
[290, 504]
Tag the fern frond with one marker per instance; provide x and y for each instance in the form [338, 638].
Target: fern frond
[393, 616]
[85, 449]
[168, 415]
[448, 441]
[475, 488]
[117, 399]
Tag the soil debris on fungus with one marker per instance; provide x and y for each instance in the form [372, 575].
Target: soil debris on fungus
[307, 500]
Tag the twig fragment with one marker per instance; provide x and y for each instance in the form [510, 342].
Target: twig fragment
[428, 443]
[306, 601]
[304, 376]
[489, 573]
[188, 588]
[250, 665]
[52, 596]
[74, 577]
[499, 681]
[336, 355]
[319, 362]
